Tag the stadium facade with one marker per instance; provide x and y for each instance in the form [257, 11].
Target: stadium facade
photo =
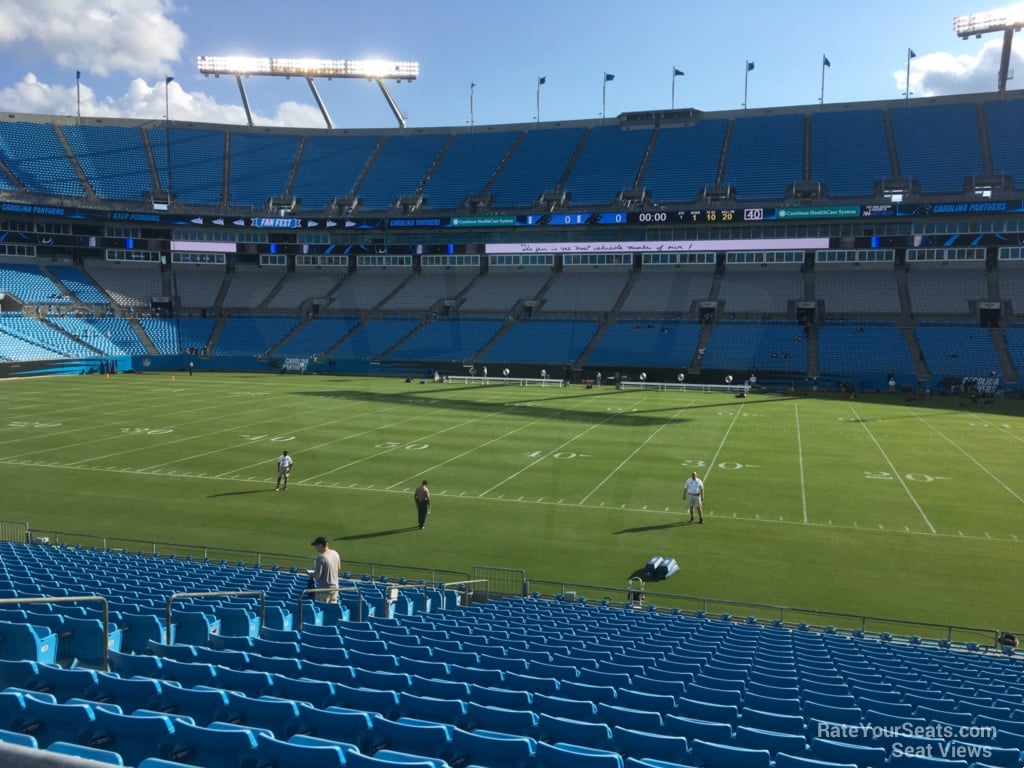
[845, 243]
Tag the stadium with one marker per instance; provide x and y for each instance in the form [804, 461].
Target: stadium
[817, 308]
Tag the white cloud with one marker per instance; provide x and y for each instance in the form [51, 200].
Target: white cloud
[146, 101]
[96, 36]
[943, 74]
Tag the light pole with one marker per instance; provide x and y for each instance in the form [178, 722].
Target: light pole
[167, 134]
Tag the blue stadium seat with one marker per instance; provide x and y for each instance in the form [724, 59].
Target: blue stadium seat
[188, 673]
[836, 751]
[774, 741]
[388, 758]
[212, 747]
[132, 665]
[25, 641]
[575, 756]
[445, 711]
[570, 689]
[782, 760]
[195, 627]
[561, 729]
[87, 640]
[490, 749]
[693, 728]
[650, 702]
[573, 709]
[727, 756]
[139, 628]
[641, 744]
[129, 693]
[134, 737]
[82, 752]
[636, 719]
[238, 622]
[416, 737]
[296, 754]
[517, 722]
[66, 683]
[342, 725]
[204, 705]
[49, 722]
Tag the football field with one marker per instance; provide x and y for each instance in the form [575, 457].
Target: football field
[868, 506]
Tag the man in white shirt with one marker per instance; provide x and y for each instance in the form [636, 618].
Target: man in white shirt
[284, 469]
[695, 496]
[325, 570]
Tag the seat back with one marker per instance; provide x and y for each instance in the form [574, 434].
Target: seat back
[26, 641]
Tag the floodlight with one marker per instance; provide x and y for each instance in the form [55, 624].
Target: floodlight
[978, 24]
[377, 70]
[373, 69]
[1005, 20]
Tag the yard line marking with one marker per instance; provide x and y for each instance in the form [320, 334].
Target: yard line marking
[800, 459]
[536, 461]
[1011, 538]
[636, 450]
[973, 460]
[721, 445]
[895, 472]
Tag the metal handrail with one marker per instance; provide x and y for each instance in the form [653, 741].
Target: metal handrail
[73, 599]
[226, 593]
[860, 620]
[464, 583]
[357, 587]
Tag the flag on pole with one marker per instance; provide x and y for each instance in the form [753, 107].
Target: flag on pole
[608, 77]
[677, 72]
[541, 80]
[750, 66]
[910, 53]
[825, 61]
[78, 74]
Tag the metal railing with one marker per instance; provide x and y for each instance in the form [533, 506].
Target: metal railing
[228, 556]
[467, 593]
[224, 593]
[504, 581]
[808, 618]
[390, 596]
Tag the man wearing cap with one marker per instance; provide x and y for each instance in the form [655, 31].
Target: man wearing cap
[325, 570]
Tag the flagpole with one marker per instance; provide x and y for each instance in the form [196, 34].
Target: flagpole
[540, 82]
[604, 94]
[78, 95]
[472, 87]
[167, 135]
[673, 87]
[821, 98]
[910, 55]
[746, 78]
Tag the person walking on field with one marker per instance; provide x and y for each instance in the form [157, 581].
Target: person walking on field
[284, 469]
[695, 496]
[422, 499]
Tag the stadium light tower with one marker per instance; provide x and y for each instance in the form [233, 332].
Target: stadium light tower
[1005, 20]
[377, 70]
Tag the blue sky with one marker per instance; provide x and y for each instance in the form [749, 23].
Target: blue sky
[125, 49]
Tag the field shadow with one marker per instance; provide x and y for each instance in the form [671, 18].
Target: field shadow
[546, 406]
[239, 493]
[646, 528]
[377, 534]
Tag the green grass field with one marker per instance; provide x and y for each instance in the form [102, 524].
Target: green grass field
[865, 506]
